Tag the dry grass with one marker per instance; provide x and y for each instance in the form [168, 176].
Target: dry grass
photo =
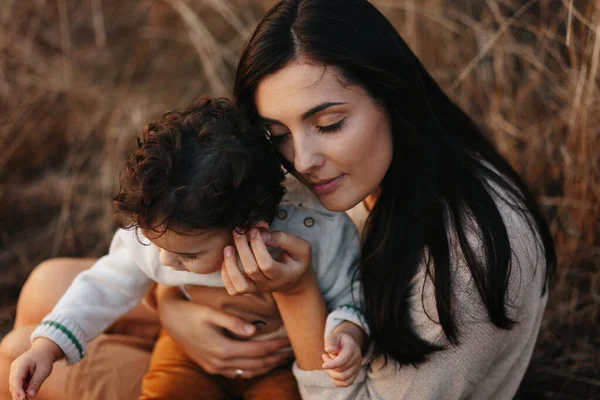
[79, 78]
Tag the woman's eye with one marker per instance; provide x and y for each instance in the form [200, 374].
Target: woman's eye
[331, 128]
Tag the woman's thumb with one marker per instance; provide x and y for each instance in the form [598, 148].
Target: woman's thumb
[293, 245]
[233, 324]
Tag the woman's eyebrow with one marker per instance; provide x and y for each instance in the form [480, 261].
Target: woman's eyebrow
[320, 108]
[306, 115]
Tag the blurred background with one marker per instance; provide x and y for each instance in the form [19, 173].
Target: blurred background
[80, 78]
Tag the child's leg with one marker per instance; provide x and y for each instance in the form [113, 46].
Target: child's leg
[276, 384]
[172, 376]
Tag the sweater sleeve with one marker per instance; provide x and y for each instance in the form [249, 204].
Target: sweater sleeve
[114, 285]
[447, 374]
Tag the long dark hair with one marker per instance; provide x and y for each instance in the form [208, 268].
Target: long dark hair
[443, 179]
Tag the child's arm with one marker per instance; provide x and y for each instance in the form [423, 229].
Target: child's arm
[97, 297]
[343, 357]
[30, 369]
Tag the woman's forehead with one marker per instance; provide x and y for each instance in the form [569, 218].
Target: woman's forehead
[298, 87]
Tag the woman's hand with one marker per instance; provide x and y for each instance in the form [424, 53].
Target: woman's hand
[200, 331]
[260, 271]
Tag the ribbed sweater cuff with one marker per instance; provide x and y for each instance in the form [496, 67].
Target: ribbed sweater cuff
[65, 333]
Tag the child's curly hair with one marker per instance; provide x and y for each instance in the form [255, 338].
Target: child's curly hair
[206, 167]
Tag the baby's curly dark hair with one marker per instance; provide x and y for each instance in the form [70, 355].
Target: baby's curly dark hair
[206, 167]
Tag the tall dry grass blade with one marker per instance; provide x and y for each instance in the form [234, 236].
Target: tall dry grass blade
[7, 8]
[33, 28]
[410, 28]
[579, 16]
[98, 21]
[229, 14]
[569, 23]
[577, 96]
[429, 13]
[592, 80]
[489, 44]
[65, 40]
[205, 44]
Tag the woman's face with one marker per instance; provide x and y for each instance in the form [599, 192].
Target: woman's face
[334, 133]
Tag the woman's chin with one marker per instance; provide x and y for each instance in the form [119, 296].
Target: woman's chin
[338, 203]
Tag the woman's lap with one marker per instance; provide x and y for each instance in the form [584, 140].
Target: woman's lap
[114, 364]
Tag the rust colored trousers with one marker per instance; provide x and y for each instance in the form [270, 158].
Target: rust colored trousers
[173, 376]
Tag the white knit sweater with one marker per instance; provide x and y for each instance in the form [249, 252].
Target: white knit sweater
[489, 363]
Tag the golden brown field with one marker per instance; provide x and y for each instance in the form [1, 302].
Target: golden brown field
[78, 79]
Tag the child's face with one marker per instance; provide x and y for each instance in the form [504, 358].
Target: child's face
[201, 253]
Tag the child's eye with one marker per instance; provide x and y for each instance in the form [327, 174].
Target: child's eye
[187, 258]
[331, 128]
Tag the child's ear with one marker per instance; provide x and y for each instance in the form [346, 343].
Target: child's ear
[262, 225]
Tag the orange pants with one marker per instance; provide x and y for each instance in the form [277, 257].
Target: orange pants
[172, 376]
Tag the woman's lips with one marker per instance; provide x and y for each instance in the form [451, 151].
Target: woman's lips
[326, 186]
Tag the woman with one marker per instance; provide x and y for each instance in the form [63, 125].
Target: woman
[456, 255]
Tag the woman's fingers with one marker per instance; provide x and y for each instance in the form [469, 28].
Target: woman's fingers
[256, 349]
[254, 366]
[267, 265]
[233, 324]
[237, 281]
[249, 262]
[297, 248]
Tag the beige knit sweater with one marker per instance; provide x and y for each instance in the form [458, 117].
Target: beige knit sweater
[489, 363]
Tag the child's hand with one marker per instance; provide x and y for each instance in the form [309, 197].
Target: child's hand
[30, 369]
[343, 359]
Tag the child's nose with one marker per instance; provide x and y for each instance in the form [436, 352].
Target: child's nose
[167, 258]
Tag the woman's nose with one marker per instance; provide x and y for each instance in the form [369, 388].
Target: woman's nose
[307, 157]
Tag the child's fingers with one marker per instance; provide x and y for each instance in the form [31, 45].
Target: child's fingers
[18, 373]
[341, 360]
[333, 343]
[344, 378]
[40, 373]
